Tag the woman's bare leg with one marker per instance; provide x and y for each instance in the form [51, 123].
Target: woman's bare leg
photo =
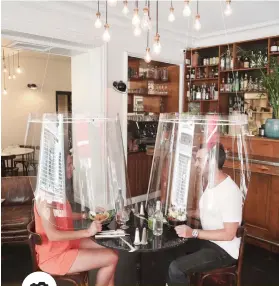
[87, 243]
[104, 259]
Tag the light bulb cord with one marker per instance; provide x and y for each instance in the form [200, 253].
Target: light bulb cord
[171, 4]
[106, 11]
[98, 6]
[157, 16]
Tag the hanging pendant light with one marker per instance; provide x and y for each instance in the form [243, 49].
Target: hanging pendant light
[5, 89]
[18, 70]
[14, 76]
[228, 10]
[171, 16]
[197, 23]
[4, 63]
[98, 22]
[106, 35]
[187, 10]
[112, 3]
[136, 18]
[137, 31]
[157, 45]
[125, 9]
[145, 21]
[147, 56]
[9, 76]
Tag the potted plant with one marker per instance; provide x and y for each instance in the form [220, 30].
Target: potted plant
[270, 82]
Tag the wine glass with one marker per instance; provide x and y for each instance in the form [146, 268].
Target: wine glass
[124, 217]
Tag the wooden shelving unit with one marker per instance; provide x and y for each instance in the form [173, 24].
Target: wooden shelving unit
[222, 104]
[153, 102]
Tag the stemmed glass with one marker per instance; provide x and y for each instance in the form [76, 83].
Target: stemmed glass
[124, 217]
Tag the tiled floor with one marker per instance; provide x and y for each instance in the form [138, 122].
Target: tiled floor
[261, 268]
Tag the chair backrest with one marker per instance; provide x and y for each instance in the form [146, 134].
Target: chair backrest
[33, 240]
[18, 190]
[241, 233]
[8, 161]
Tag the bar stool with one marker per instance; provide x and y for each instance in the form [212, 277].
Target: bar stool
[78, 279]
[232, 273]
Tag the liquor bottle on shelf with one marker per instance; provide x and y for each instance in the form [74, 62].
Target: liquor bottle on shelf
[245, 82]
[198, 94]
[273, 47]
[223, 63]
[191, 93]
[216, 92]
[193, 74]
[246, 63]
[238, 62]
[203, 92]
[198, 73]
[236, 83]
[260, 59]
[253, 60]
[230, 105]
[228, 85]
[194, 93]
[228, 60]
[222, 85]
[216, 73]
[265, 58]
[242, 83]
[260, 85]
[188, 91]
[250, 85]
[188, 62]
[188, 75]
[231, 65]
[256, 84]
[206, 93]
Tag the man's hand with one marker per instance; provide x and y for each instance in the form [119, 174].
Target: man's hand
[96, 226]
[184, 231]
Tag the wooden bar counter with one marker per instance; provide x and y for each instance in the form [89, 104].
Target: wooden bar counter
[261, 210]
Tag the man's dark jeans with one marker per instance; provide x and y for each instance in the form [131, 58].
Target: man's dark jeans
[201, 255]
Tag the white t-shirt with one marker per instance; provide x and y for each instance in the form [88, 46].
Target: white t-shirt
[223, 203]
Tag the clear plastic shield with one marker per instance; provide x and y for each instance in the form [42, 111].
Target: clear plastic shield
[195, 153]
[81, 169]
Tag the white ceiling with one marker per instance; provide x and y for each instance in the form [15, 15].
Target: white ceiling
[69, 25]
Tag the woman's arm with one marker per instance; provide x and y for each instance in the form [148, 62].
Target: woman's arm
[53, 234]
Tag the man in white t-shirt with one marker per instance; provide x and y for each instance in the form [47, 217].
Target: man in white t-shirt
[220, 211]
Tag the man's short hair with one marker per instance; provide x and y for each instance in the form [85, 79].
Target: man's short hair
[220, 154]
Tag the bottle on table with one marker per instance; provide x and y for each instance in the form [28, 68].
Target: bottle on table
[158, 220]
[119, 205]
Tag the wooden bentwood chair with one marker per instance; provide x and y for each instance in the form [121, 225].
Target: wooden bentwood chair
[78, 279]
[232, 273]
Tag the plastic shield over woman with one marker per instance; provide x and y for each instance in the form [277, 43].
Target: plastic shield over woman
[81, 173]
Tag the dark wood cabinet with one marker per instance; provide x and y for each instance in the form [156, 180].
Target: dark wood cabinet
[139, 167]
[261, 209]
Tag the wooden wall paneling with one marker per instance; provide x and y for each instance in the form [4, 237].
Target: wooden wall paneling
[274, 208]
[172, 101]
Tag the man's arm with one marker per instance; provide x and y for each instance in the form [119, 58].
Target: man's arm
[225, 234]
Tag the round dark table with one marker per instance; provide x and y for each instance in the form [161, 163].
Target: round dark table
[167, 240]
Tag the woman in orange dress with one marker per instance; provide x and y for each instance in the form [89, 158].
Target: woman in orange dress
[65, 250]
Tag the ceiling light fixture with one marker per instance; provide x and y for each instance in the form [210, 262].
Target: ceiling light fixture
[5, 89]
[145, 21]
[106, 35]
[157, 45]
[147, 56]
[137, 31]
[112, 3]
[228, 10]
[171, 16]
[125, 9]
[14, 76]
[197, 23]
[9, 76]
[4, 63]
[18, 70]
[32, 86]
[98, 22]
[187, 10]
[136, 18]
